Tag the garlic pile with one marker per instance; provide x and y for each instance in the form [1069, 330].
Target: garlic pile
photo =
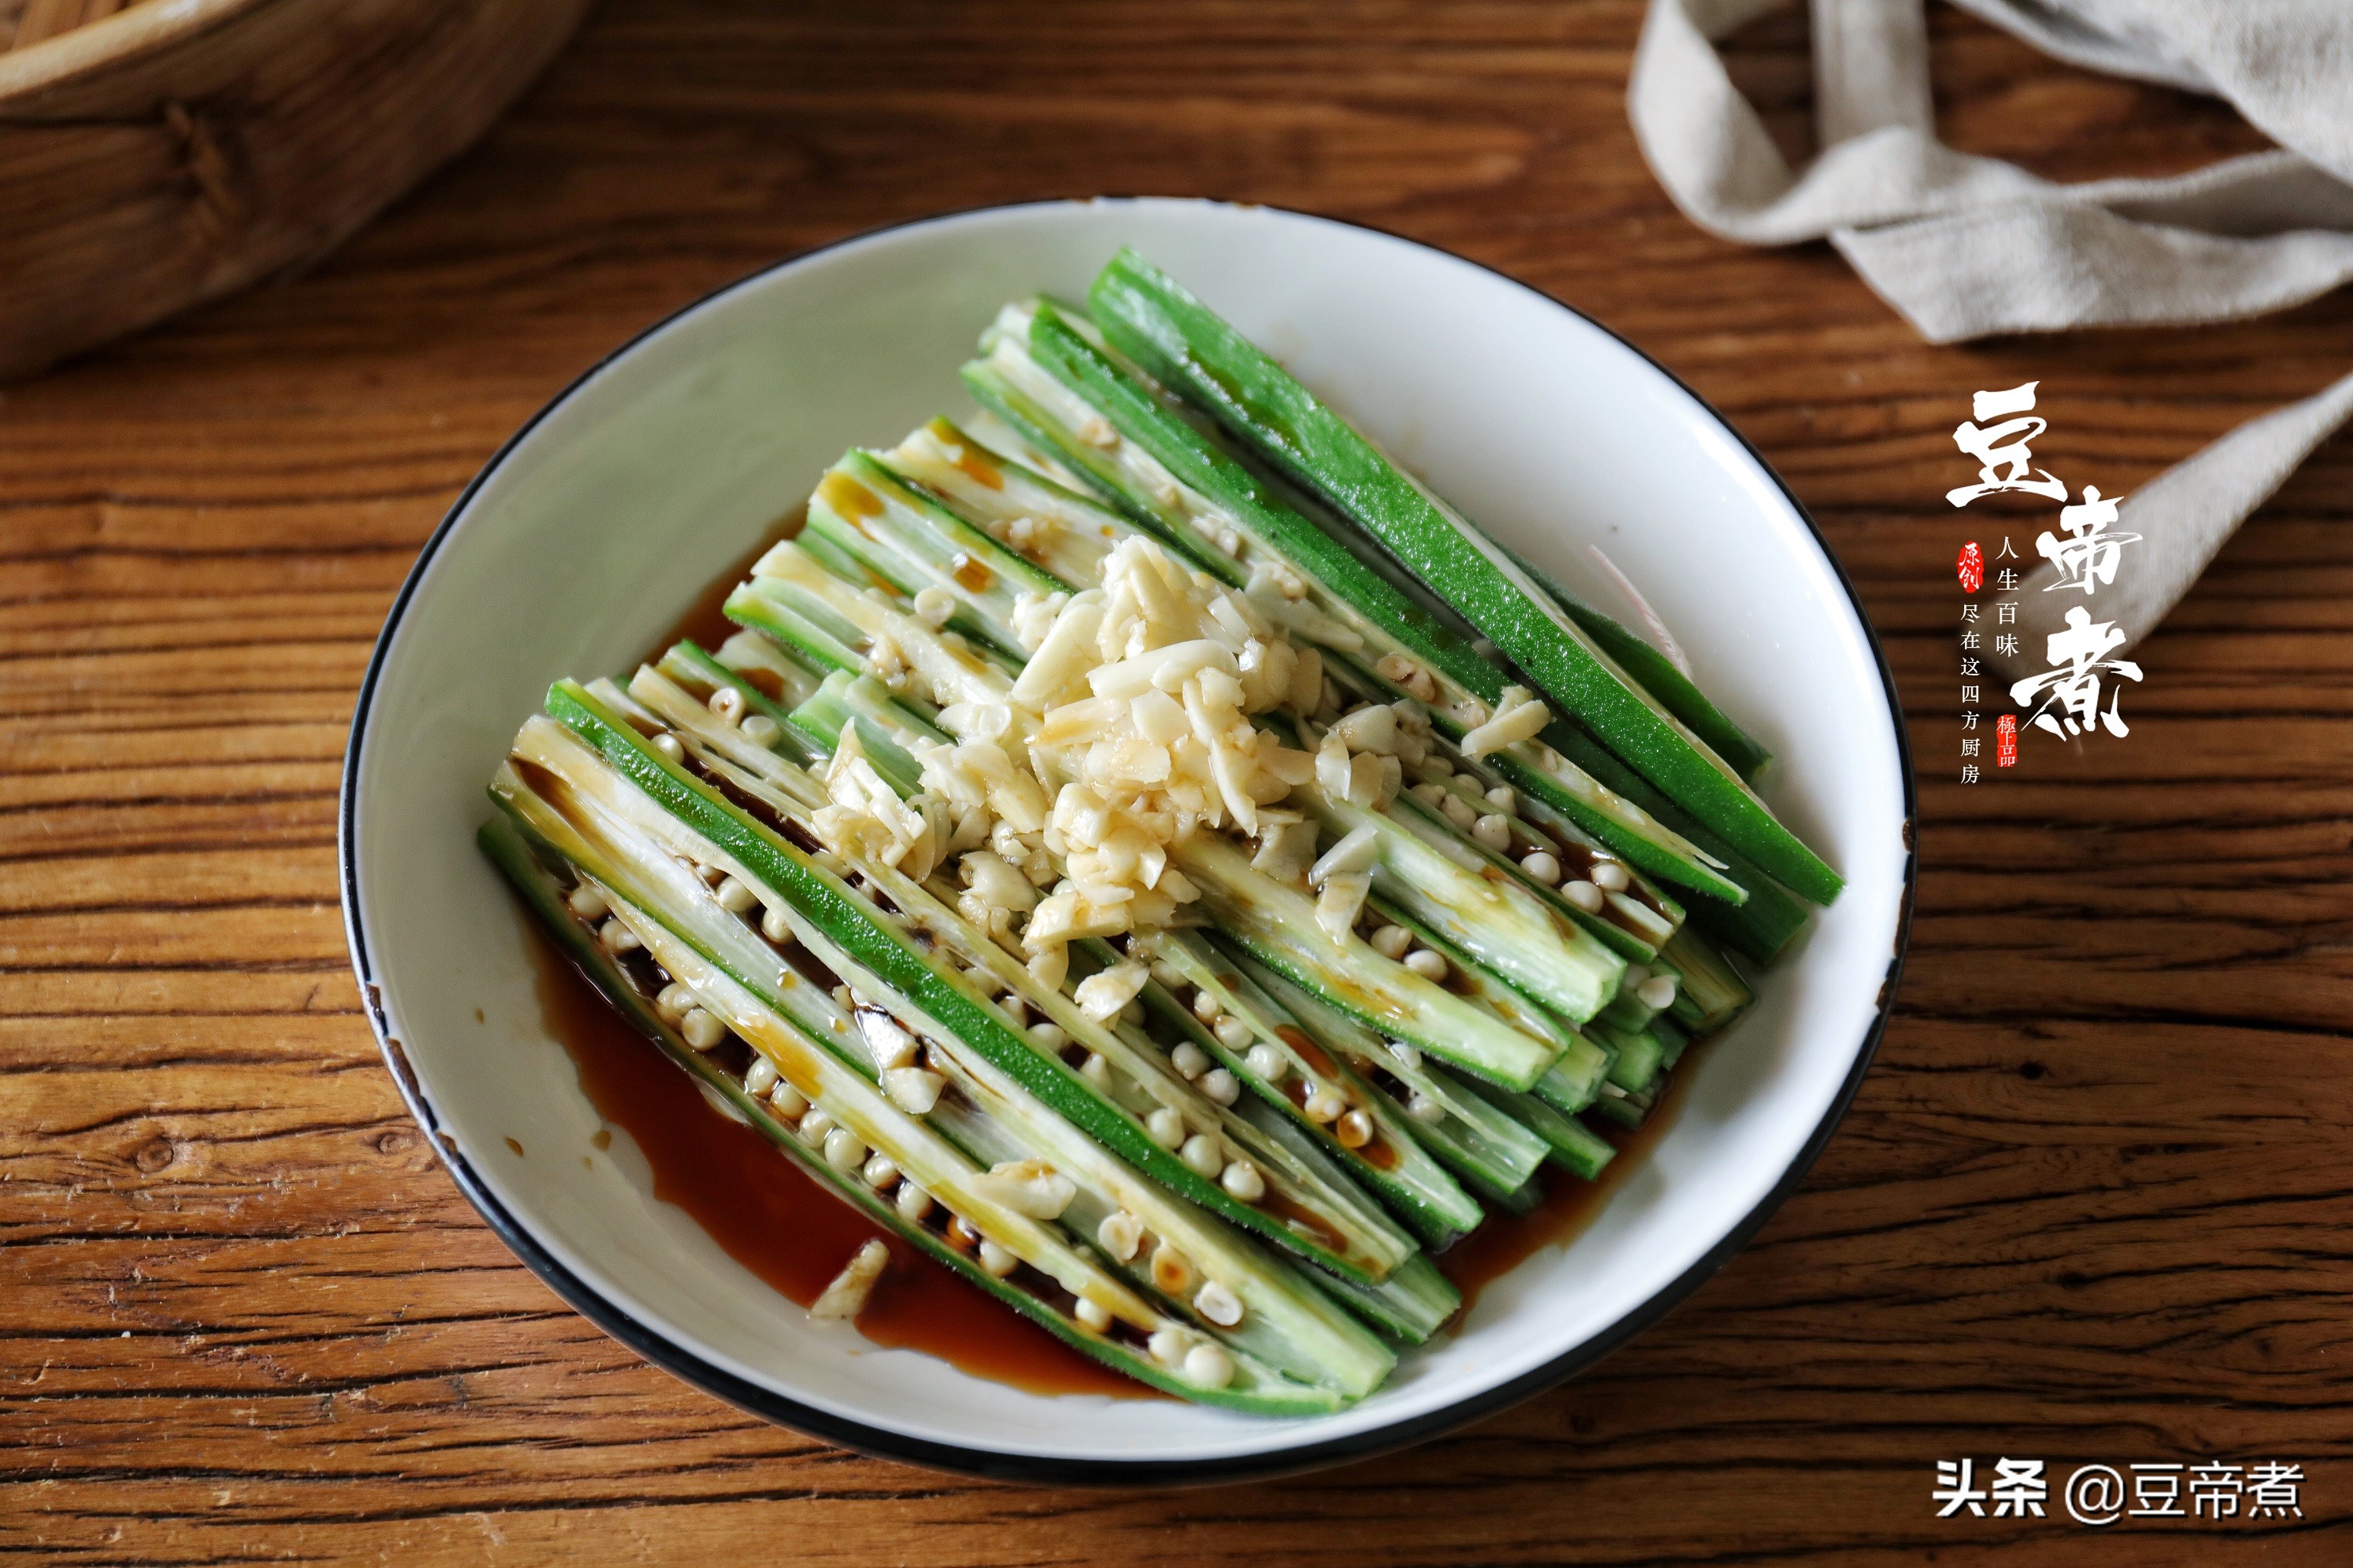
[1066, 790]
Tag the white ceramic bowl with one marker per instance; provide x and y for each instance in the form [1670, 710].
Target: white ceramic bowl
[587, 535]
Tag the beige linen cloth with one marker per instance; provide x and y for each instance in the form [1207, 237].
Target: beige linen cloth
[1965, 246]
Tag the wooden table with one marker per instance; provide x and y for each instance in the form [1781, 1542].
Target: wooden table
[2091, 1204]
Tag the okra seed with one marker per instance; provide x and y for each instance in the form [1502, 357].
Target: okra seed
[843, 1151]
[1410, 1055]
[588, 903]
[775, 928]
[879, 1172]
[1544, 866]
[701, 1028]
[1426, 1110]
[728, 703]
[761, 730]
[1353, 1130]
[1501, 798]
[1168, 975]
[788, 1102]
[960, 1232]
[1122, 1235]
[1324, 1106]
[1172, 1271]
[1391, 941]
[1207, 1366]
[1457, 810]
[1168, 1346]
[1096, 1070]
[1201, 1155]
[1585, 896]
[816, 1126]
[1092, 1313]
[1219, 1305]
[1632, 976]
[1221, 1086]
[1166, 1127]
[617, 937]
[911, 1202]
[936, 606]
[1206, 1007]
[1430, 794]
[673, 1002]
[1609, 876]
[997, 1259]
[1657, 992]
[1426, 963]
[1190, 1060]
[1268, 1063]
[1050, 1037]
[1232, 1033]
[1243, 1181]
[1493, 830]
[760, 1078]
[735, 897]
[669, 746]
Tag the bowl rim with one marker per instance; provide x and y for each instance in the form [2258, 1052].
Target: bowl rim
[881, 1442]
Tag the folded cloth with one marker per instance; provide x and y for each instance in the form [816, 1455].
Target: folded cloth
[1964, 247]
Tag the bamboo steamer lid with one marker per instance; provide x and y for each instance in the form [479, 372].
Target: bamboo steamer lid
[181, 149]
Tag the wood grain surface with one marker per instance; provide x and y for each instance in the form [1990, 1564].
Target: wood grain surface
[2093, 1203]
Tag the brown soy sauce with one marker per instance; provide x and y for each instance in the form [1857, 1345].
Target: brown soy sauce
[777, 1220]
[1505, 1240]
[705, 622]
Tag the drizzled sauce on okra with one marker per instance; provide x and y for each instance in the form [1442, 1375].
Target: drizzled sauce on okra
[705, 623]
[777, 1221]
[792, 1233]
[1506, 1240]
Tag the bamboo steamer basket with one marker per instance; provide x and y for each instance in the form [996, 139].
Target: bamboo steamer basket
[182, 149]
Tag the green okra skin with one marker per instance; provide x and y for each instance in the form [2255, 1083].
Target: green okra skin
[1176, 338]
[1409, 1306]
[1493, 1154]
[1407, 1177]
[842, 915]
[757, 658]
[1658, 675]
[1256, 1388]
[1181, 460]
[1502, 923]
[1673, 1038]
[1641, 1055]
[1067, 534]
[1760, 925]
[1573, 1147]
[806, 631]
[903, 537]
[1712, 994]
[1276, 924]
[1622, 1111]
[703, 676]
[1290, 1325]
